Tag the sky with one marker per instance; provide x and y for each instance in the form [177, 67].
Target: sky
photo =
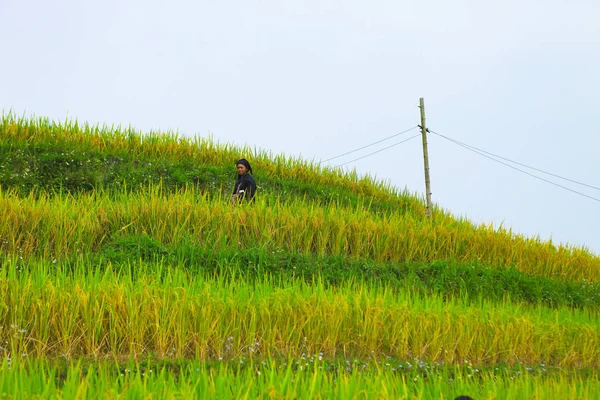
[315, 79]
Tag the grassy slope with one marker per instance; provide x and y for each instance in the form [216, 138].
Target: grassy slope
[328, 213]
[101, 206]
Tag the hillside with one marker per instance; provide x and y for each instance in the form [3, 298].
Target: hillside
[120, 245]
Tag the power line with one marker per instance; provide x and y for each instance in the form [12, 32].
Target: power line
[369, 145]
[471, 148]
[379, 151]
[518, 163]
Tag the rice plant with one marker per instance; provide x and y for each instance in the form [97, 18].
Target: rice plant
[51, 312]
[106, 236]
[62, 224]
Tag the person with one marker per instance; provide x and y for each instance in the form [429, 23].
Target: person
[245, 186]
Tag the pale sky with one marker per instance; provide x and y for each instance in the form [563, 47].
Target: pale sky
[318, 78]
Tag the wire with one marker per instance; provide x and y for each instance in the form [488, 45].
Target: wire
[369, 145]
[471, 148]
[516, 162]
[379, 151]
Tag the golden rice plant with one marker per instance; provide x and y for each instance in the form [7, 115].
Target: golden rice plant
[293, 378]
[53, 226]
[49, 312]
[160, 145]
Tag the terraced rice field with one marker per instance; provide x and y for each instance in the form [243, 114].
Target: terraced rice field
[126, 273]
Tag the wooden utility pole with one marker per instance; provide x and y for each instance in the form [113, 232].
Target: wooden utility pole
[425, 157]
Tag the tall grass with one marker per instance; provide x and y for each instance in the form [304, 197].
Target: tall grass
[75, 198]
[82, 137]
[61, 225]
[289, 380]
[46, 311]
[281, 221]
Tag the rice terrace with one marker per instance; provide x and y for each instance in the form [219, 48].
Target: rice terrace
[127, 272]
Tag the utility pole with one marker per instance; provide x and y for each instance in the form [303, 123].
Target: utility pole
[426, 158]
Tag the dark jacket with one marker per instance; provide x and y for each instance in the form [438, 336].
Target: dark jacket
[245, 186]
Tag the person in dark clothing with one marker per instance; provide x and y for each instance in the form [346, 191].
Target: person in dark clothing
[245, 186]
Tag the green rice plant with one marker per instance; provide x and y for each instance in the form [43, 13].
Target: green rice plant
[292, 378]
